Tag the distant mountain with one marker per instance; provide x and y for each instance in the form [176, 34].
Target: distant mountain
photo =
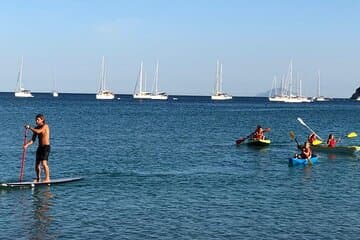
[266, 94]
[356, 94]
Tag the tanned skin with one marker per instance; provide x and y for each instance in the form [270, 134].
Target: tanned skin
[42, 131]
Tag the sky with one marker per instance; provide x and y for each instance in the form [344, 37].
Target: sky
[63, 42]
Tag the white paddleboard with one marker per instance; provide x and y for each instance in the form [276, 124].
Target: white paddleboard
[33, 184]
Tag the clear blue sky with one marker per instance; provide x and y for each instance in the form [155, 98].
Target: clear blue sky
[254, 40]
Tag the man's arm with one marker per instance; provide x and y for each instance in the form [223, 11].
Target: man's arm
[33, 138]
[37, 130]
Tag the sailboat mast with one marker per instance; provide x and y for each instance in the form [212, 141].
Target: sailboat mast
[221, 79]
[54, 79]
[19, 86]
[217, 78]
[291, 79]
[156, 77]
[103, 73]
[318, 88]
[141, 77]
[300, 89]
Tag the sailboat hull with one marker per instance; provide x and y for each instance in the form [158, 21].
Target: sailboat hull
[105, 96]
[23, 94]
[142, 95]
[221, 97]
[159, 97]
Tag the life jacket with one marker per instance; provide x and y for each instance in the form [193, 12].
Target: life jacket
[331, 142]
[306, 154]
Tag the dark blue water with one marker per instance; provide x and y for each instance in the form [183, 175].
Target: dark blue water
[170, 170]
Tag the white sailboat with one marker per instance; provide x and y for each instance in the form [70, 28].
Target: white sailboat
[140, 87]
[218, 93]
[319, 98]
[20, 91]
[55, 93]
[287, 95]
[157, 95]
[274, 96]
[103, 93]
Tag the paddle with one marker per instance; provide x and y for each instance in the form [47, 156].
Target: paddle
[23, 158]
[352, 135]
[309, 161]
[241, 140]
[292, 136]
[349, 135]
[305, 125]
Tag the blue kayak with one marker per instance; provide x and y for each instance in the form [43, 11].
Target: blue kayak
[301, 161]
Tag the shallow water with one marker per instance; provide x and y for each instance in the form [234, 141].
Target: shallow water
[170, 170]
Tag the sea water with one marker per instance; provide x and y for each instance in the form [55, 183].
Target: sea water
[171, 170]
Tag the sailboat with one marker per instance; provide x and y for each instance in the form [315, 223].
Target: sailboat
[55, 93]
[20, 91]
[288, 95]
[319, 98]
[140, 87]
[218, 93]
[103, 93]
[274, 96]
[157, 95]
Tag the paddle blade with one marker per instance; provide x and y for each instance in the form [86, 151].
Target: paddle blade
[240, 140]
[292, 135]
[316, 142]
[352, 135]
[301, 121]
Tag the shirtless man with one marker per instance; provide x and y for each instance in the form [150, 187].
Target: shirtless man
[42, 131]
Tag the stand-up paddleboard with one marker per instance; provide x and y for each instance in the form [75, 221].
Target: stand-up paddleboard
[33, 184]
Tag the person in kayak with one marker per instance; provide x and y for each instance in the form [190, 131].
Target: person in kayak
[312, 138]
[258, 134]
[306, 151]
[331, 142]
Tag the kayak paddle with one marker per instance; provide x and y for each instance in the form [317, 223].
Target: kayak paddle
[241, 140]
[22, 165]
[304, 124]
[352, 135]
[292, 136]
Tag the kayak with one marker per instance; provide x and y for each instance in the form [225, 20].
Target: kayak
[337, 149]
[301, 161]
[258, 142]
[349, 150]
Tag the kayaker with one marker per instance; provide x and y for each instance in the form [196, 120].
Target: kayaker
[312, 138]
[258, 134]
[331, 142]
[306, 151]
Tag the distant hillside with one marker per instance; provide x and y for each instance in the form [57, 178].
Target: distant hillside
[356, 94]
[266, 94]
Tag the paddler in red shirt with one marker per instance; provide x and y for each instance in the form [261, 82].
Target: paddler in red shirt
[331, 142]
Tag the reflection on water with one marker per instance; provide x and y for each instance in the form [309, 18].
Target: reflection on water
[42, 204]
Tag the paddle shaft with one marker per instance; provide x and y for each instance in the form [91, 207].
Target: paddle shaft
[23, 159]
[305, 125]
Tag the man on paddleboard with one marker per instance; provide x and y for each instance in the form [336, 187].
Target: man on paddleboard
[42, 131]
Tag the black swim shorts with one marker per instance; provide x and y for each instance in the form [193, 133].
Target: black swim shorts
[42, 153]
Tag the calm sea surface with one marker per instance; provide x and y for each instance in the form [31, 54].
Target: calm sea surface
[171, 170]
